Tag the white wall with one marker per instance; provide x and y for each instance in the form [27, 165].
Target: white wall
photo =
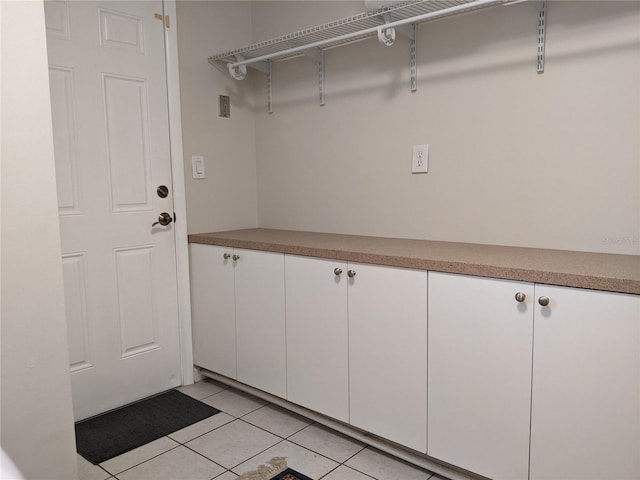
[36, 416]
[226, 199]
[516, 158]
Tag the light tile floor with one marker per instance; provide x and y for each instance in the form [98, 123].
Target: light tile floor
[247, 433]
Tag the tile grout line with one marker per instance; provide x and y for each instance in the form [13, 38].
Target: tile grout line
[204, 456]
[144, 461]
[354, 468]
[322, 454]
[287, 412]
[244, 395]
[208, 431]
[254, 456]
[221, 386]
[268, 431]
[347, 466]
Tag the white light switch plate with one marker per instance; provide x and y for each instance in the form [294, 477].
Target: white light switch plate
[197, 167]
[420, 159]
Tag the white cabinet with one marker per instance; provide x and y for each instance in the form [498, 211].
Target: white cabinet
[238, 315]
[317, 335]
[356, 347]
[480, 348]
[213, 308]
[388, 353]
[586, 384]
[581, 403]
[517, 390]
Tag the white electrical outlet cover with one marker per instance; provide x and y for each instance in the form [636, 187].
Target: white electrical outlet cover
[420, 159]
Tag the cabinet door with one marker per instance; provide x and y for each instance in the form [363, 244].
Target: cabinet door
[260, 324]
[586, 373]
[480, 342]
[317, 335]
[213, 309]
[388, 353]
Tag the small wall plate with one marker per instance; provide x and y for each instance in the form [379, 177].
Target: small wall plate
[224, 106]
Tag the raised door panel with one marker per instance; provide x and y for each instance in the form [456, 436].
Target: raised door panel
[317, 335]
[137, 314]
[127, 130]
[121, 30]
[63, 113]
[56, 13]
[388, 353]
[74, 268]
[480, 347]
[260, 320]
[586, 383]
[213, 309]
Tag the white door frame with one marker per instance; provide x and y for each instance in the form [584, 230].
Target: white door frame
[179, 194]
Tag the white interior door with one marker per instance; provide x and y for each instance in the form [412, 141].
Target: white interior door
[111, 139]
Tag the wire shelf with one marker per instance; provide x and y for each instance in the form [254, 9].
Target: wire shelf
[383, 23]
[278, 48]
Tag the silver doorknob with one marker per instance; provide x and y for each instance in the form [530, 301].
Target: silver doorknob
[164, 219]
[543, 301]
[520, 297]
[236, 258]
[226, 256]
[337, 271]
[351, 273]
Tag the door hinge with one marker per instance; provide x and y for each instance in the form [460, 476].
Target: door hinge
[159, 16]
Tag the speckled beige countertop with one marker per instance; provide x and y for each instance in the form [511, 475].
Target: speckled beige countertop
[598, 271]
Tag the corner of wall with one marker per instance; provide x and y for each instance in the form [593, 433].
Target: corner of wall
[37, 419]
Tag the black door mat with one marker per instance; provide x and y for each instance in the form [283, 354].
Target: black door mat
[113, 433]
[290, 474]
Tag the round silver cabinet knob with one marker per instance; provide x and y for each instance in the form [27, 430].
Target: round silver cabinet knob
[226, 256]
[236, 258]
[337, 271]
[543, 301]
[351, 273]
[520, 297]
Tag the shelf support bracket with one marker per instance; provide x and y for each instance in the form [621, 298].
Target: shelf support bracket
[413, 58]
[409, 31]
[269, 86]
[321, 77]
[542, 28]
[317, 55]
